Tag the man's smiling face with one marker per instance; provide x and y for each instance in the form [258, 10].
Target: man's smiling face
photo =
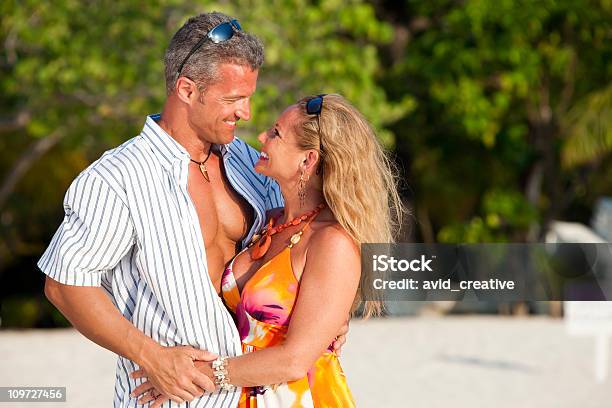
[224, 103]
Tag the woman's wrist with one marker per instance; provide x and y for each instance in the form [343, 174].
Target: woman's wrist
[220, 371]
[206, 367]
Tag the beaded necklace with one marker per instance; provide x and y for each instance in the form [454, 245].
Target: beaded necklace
[261, 242]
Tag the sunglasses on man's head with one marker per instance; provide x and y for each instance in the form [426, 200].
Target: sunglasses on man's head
[219, 33]
[315, 105]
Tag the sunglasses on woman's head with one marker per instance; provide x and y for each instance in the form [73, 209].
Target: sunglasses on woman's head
[219, 33]
[315, 105]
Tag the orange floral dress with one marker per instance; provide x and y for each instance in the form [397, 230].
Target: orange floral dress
[262, 312]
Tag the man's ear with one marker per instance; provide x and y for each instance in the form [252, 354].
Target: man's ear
[186, 90]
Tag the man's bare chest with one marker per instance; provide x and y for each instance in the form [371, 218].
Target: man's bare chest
[224, 215]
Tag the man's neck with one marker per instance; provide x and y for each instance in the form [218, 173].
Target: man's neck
[179, 130]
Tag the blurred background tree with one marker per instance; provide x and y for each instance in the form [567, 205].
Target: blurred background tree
[511, 128]
[497, 112]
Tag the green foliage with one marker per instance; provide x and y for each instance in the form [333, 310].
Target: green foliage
[498, 87]
[589, 129]
[30, 311]
[84, 69]
[503, 212]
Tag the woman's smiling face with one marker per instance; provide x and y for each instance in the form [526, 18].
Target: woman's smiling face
[280, 156]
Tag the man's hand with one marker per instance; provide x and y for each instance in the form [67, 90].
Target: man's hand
[146, 392]
[341, 338]
[172, 371]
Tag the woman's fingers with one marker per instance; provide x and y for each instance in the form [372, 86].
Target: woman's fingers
[338, 343]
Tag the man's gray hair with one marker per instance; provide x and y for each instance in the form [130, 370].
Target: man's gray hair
[201, 67]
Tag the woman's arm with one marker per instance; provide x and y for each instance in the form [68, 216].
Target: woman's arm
[327, 291]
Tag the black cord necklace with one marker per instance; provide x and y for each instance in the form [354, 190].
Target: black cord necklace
[202, 164]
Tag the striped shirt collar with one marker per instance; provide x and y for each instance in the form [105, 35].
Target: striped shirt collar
[166, 148]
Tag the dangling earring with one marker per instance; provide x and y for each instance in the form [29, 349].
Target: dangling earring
[302, 190]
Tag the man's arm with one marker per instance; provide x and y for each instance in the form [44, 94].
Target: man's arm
[93, 314]
[96, 234]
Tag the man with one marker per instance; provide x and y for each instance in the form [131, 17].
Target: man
[153, 222]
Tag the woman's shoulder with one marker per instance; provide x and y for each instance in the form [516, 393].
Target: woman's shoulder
[331, 248]
[329, 237]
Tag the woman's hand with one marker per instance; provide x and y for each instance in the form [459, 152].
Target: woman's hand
[341, 337]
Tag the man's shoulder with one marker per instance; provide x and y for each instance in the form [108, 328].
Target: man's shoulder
[131, 148]
[114, 164]
[122, 156]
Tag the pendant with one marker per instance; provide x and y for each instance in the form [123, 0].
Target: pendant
[261, 247]
[204, 171]
[295, 238]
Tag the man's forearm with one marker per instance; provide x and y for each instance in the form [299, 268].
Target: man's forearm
[93, 314]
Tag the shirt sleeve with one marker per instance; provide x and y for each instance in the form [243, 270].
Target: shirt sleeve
[97, 232]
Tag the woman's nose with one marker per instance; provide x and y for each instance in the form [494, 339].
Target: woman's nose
[262, 137]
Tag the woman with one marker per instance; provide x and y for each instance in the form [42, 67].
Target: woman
[293, 287]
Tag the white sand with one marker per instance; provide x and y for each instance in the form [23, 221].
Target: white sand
[400, 362]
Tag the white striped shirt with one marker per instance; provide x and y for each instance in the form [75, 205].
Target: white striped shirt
[132, 228]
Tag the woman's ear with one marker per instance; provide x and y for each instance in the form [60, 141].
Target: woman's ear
[310, 162]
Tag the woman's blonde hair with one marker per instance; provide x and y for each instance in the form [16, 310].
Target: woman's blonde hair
[359, 180]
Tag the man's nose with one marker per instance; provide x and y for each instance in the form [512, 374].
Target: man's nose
[244, 111]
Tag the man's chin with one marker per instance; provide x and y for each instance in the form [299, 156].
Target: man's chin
[227, 139]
